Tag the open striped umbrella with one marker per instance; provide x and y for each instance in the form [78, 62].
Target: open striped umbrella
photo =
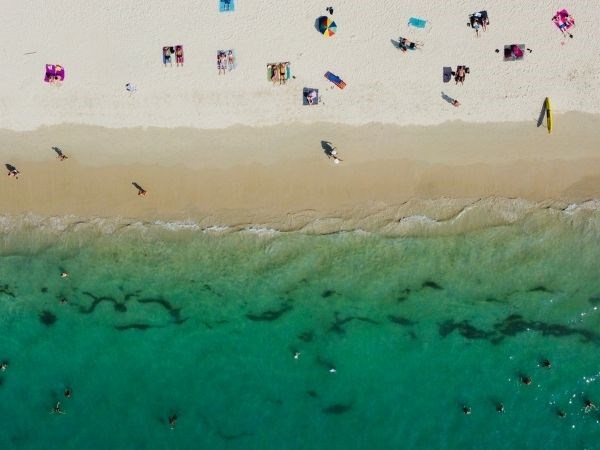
[326, 26]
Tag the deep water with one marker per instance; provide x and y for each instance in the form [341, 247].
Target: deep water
[152, 323]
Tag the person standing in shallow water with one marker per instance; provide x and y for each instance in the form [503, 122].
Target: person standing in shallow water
[172, 421]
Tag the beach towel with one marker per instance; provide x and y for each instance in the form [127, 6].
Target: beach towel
[563, 20]
[416, 22]
[49, 73]
[226, 5]
[335, 80]
[311, 93]
[54, 72]
[446, 74]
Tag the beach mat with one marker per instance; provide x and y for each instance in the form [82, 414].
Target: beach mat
[335, 80]
[226, 5]
[305, 92]
[514, 52]
[416, 22]
[446, 74]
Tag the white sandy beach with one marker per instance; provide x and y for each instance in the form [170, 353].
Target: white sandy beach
[229, 149]
[105, 45]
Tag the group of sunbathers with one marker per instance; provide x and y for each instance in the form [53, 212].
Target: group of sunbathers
[279, 72]
[225, 61]
[168, 51]
[479, 20]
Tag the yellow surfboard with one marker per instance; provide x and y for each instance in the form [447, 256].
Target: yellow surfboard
[548, 114]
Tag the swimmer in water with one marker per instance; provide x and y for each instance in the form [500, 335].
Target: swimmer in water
[3, 366]
[588, 405]
[545, 363]
[332, 370]
[57, 409]
[64, 274]
[296, 355]
[525, 379]
[560, 413]
[63, 301]
[172, 421]
[466, 410]
[68, 393]
[500, 407]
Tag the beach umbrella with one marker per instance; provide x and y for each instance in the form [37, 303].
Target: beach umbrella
[326, 26]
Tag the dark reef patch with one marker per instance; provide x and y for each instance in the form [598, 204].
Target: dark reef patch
[173, 312]
[270, 315]
[328, 293]
[5, 289]
[337, 408]
[337, 326]
[134, 326]
[312, 393]
[540, 289]
[513, 325]
[306, 336]
[43, 290]
[465, 329]
[432, 285]
[594, 300]
[97, 300]
[47, 318]
[401, 320]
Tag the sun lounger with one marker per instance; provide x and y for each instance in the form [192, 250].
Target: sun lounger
[310, 96]
[514, 52]
[335, 80]
[416, 22]
[226, 5]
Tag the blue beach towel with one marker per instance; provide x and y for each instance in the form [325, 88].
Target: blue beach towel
[415, 22]
[226, 5]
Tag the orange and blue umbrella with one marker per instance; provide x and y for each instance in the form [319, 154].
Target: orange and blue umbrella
[326, 26]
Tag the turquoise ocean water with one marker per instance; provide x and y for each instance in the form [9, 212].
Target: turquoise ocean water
[157, 321]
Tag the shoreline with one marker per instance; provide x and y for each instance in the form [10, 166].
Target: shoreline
[263, 175]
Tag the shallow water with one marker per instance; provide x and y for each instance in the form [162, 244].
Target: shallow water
[205, 326]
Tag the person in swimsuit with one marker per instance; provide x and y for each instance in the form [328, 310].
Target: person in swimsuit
[167, 56]
[311, 97]
[460, 75]
[59, 154]
[282, 73]
[275, 76]
[179, 55]
[230, 60]
[172, 421]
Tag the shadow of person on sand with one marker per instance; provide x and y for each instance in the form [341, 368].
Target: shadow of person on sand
[395, 43]
[447, 98]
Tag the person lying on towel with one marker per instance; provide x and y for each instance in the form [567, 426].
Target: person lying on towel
[404, 44]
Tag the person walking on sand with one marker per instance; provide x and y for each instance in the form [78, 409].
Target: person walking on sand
[12, 171]
[141, 190]
[59, 154]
